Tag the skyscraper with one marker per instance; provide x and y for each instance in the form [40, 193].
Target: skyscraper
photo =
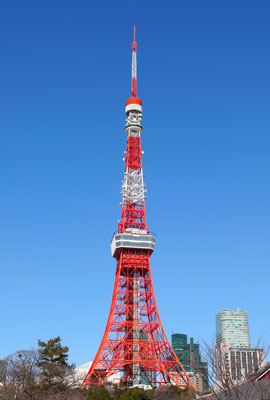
[189, 356]
[234, 358]
[232, 328]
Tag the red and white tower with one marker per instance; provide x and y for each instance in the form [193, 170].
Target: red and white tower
[134, 342]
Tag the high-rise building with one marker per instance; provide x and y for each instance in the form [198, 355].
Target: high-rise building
[189, 356]
[234, 358]
[232, 328]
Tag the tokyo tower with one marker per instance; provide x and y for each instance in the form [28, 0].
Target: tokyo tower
[134, 342]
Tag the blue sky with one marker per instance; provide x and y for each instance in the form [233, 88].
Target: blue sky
[204, 80]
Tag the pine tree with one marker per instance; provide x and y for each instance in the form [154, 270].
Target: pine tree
[53, 363]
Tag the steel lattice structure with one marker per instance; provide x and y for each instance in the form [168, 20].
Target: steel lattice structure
[134, 342]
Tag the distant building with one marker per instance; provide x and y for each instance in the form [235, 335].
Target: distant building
[234, 358]
[232, 328]
[81, 371]
[236, 363]
[189, 356]
[198, 381]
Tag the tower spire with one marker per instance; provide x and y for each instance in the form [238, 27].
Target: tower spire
[134, 67]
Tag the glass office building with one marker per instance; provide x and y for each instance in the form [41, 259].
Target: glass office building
[232, 328]
[189, 356]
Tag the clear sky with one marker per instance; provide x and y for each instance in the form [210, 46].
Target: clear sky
[204, 80]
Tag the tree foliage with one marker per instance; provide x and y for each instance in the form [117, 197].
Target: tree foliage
[134, 394]
[39, 374]
[45, 374]
[98, 393]
[53, 363]
[172, 392]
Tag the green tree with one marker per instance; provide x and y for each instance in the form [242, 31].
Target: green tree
[134, 394]
[172, 392]
[53, 363]
[98, 393]
[118, 389]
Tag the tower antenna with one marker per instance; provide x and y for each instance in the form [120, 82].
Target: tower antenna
[134, 67]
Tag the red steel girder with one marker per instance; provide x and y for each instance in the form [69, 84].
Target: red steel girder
[154, 355]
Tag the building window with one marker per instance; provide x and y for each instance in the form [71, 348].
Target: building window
[255, 361]
[244, 361]
[249, 362]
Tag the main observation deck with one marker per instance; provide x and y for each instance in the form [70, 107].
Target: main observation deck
[132, 241]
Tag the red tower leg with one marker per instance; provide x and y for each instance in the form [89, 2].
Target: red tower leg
[134, 342]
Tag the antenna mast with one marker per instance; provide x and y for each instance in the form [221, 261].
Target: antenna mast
[134, 67]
